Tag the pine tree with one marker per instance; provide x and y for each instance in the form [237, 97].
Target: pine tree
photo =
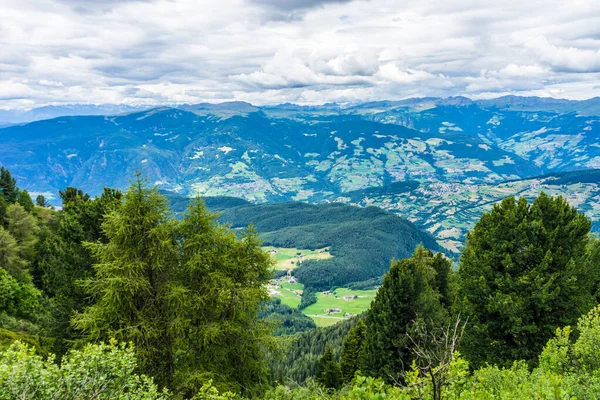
[405, 296]
[522, 275]
[352, 350]
[8, 186]
[328, 370]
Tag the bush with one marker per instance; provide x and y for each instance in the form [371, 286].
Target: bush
[97, 371]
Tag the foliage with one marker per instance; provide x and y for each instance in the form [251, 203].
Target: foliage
[303, 354]
[309, 297]
[352, 350]
[286, 320]
[62, 260]
[407, 295]
[41, 201]
[96, 372]
[362, 240]
[328, 372]
[8, 186]
[187, 294]
[522, 275]
[24, 200]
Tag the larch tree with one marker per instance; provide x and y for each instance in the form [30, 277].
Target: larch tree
[130, 290]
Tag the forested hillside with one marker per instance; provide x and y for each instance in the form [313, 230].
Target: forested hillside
[362, 241]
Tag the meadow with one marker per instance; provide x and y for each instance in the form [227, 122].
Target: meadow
[287, 258]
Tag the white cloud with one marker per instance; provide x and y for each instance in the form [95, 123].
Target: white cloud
[563, 58]
[162, 51]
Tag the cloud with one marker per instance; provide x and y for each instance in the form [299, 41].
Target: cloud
[306, 51]
[289, 5]
[570, 59]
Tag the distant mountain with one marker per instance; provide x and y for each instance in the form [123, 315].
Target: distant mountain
[8, 117]
[254, 155]
[439, 162]
[450, 210]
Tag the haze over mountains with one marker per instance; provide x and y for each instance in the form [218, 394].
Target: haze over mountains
[427, 153]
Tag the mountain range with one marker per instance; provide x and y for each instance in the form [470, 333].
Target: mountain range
[438, 162]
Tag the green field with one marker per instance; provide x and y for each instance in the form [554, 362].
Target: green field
[336, 300]
[289, 258]
[289, 294]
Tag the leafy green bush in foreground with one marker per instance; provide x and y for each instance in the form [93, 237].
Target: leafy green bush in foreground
[98, 371]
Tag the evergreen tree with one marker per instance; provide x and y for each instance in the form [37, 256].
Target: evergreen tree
[593, 266]
[522, 275]
[8, 186]
[61, 258]
[328, 370]
[24, 199]
[130, 290]
[3, 206]
[352, 350]
[40, 200]
[405, 296]
[442, 281]
[220, 288]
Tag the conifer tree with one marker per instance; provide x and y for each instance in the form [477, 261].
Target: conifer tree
[328, 370]
[131, 289]
[40, 201]
[220, 287]
[24, 199]
[405, 296]
[62, 260]
[522, 275]
[8, 186]
[352, 350]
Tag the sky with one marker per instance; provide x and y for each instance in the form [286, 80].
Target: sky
[151, 52]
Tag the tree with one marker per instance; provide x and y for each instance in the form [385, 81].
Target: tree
[3, 206]
[406, 294]
[220, 287]
[24, 199]
[24, 228]
[8, 186]
[435, 349]
[328, 370]
[62, 260]
[187, 294]
[10, 259]
[593, 266]
[442, 282]
[130, 289]
[41, 201]
[352, 350]
[522, 275]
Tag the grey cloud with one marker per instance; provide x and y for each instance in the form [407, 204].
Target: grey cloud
[168, 51]
[290, 5]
